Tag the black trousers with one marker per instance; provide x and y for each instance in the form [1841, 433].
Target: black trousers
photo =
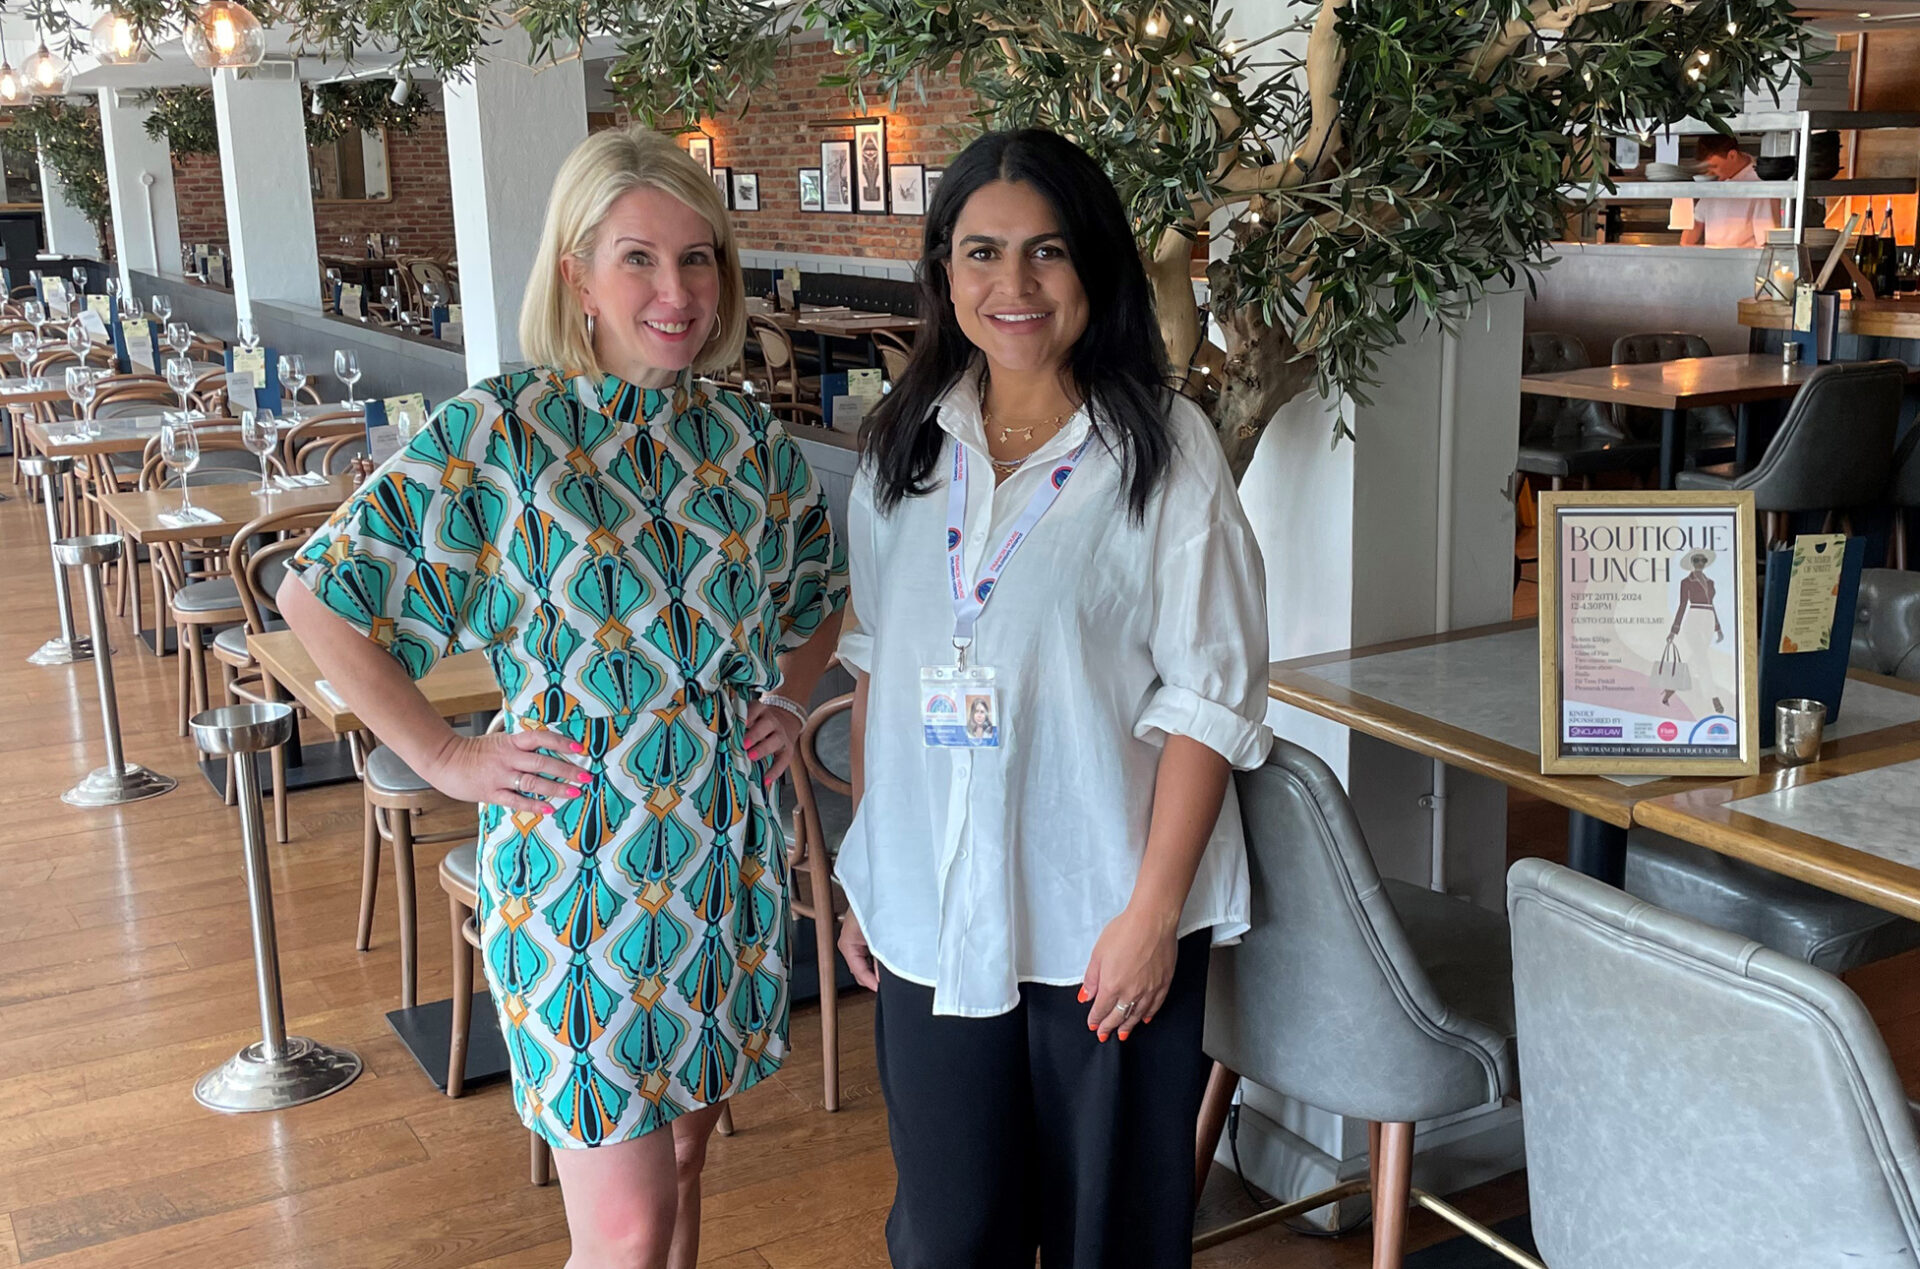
[1023, 1132]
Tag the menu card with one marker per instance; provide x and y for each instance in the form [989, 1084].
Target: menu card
[1813, 592]
[101, 306]
[141, 354]
[353, 301]
[865, 384]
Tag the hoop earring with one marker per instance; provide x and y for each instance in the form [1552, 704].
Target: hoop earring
[589, 328]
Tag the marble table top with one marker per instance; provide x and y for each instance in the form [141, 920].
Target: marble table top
[1876, 812]
[1490, 686]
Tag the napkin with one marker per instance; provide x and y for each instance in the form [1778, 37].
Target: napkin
[189, 516]
[305, 480]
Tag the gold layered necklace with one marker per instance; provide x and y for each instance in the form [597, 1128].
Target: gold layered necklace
[1009, 433]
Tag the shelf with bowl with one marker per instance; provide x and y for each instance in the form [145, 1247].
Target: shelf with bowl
[1748, 189]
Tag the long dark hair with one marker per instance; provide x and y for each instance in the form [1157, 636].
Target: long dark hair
[1118, 364]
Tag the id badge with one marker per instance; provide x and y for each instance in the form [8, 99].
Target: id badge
[959, 707]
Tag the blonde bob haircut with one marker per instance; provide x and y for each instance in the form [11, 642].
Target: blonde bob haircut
[607, 165]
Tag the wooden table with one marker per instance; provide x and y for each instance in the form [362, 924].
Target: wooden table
[1673, 387]
[129, 434]
[1471, 699]
[15, 392]
[138, 512]
[1848, 824]
[843, 323]
[457, 685]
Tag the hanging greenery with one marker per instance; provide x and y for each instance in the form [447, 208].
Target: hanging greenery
[68, 137]
[364, 105]
[1374, 162]
[183, 118]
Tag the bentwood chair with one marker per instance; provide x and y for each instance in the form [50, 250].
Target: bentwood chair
[1832, 454]
[329, 425]
[776, 350]
[823, 811]
[1696, 1099]
[1368, 998]
[257, 563]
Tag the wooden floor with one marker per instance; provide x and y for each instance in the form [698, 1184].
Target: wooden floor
[125, 971]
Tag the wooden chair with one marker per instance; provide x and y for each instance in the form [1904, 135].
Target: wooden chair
[810, 859]
[801, 412]
[125, 396]
[393, 795]
[331, 456]
[325, 427]
[257, 562]
[776, 350]
[894, 352]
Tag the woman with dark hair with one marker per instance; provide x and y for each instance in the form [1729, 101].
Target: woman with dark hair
[1041, 526]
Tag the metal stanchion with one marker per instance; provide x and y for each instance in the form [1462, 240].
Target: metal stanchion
[281, 1070]
[118, 781]
[69, 647]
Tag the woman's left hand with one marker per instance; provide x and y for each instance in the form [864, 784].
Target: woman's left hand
[772, 733]
[1132, 966]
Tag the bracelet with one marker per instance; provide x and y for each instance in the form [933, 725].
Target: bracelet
[791, 706]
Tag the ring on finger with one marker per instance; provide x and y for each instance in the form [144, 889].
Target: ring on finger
[1125, 1008]
[520, 783]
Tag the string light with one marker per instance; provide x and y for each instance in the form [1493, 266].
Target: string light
[1733, 28]
[1153, 25]
[115, 42]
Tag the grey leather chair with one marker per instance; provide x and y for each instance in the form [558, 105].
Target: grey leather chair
[1564, 439]
[1709, 426]
[1886, 629]
[1695, 1099]
[1904, 493]
[1825, 930]
[1365, 997]
[1834, 451]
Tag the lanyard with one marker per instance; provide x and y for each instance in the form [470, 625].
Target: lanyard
[968, 601]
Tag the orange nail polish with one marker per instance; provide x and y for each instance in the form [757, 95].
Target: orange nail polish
[1103, 1039]
[1125, 1034]
[1083, 996]
[1146, 1020]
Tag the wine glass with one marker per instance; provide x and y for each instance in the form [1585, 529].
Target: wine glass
[180, 377]
[113, 287]
[346, 368]
[76, 377]
[180, 450]
[249, 334]
[26, 346]
[79, 276]
[179, 338]
[258, 432]
[293, 377]
[431, 296]
[161, 306]
[34, 311]
[405, 425]
[79, 342]
[130, 310]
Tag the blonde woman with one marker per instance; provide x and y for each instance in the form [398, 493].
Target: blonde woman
[648, 564]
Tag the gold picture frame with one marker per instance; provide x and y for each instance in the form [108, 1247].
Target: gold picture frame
[1623, 572]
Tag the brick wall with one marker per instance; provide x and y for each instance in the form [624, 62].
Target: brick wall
[420, 211]
[774, 140]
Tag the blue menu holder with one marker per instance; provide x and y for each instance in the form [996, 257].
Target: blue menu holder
[1816, 676]
[266, 395]
[124, 359]
[440, 315]
[122, 364]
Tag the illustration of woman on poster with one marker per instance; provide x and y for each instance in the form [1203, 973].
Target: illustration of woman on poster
[871, 192]
[1696, 629]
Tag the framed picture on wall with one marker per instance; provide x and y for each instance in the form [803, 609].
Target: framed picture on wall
[700, 149]
[723, 181]
[836, 176]
[932, 182]
[746, 191]
[907, 184]
[870, 167]
[810, 189]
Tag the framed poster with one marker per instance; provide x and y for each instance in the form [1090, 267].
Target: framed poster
[810, 189]
[746, 191]
[932, 182]
[1649, 661]
[870, 167]
[700, 150]
[836, 176]
[908, 186]
[723, 181]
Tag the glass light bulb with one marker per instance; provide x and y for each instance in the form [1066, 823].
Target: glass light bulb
[225, 34]
[224, 38]
[46, 75]
[115, 41]
[10, 91]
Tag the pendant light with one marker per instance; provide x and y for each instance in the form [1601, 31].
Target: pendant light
[46, 75]
[224, 33]
[115, 42]
[13, 89]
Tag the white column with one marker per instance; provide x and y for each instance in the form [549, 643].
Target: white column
[69, 232]
[509, 127]
[146, 220]
[263, 165]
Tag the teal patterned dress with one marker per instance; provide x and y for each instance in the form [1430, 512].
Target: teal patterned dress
[632, 561]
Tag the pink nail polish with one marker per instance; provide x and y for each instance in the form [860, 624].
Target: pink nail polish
[584, 777]
[576, 746]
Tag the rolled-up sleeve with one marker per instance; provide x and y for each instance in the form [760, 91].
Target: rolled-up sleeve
[1209, 645]
[856, 639]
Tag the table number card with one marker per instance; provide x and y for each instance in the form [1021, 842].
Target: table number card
[353, 301]
[865, 384]
[258, 365]
[55, 290]
[141, 354]
[95, 326]
[1817, 562]
[101, 306]
[241, 393]
[217, 270]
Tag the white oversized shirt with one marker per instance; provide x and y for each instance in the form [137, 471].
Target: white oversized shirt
[972, 871]
[1737, 222]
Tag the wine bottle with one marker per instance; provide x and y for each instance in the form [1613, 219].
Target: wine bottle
[1886, 273]
[1867, 255]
